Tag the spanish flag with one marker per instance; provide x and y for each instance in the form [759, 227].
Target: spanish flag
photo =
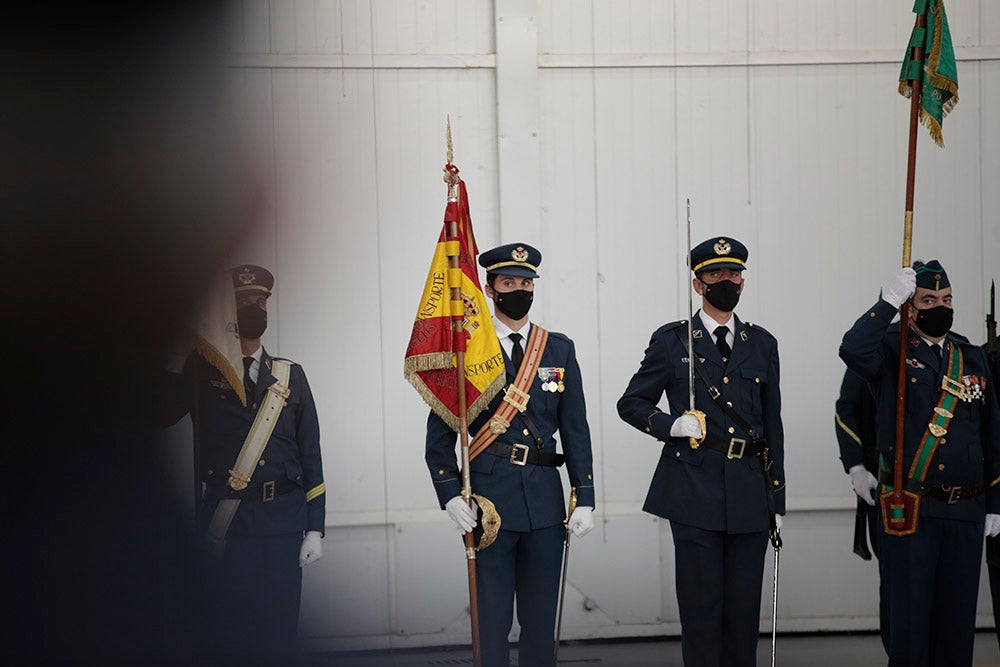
[431, 359]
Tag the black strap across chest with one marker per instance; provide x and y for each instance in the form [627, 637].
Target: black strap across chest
[714, 392]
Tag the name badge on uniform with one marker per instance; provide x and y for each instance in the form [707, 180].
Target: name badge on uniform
[552, 378]
[220, 384]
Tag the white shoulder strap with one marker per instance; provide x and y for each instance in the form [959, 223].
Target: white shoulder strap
[253, 447]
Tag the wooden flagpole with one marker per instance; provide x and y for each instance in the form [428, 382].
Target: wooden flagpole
[893, 523]
[458, 337]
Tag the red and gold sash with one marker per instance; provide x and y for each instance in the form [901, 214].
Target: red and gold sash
[516, 396]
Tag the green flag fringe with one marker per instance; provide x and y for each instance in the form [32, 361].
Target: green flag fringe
[942, 88]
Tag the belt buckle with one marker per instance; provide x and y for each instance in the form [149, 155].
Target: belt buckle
[954, 493]
[714, 392]
[267, 493]
[733, 442]
[519, 459]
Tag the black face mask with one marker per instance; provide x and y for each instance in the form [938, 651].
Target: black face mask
[251, 321]
[724, 294]
[514, 305]
[935, 321]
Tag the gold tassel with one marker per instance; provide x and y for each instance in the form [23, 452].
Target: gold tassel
[219, 361]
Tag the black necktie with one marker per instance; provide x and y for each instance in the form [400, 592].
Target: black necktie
[516, 353]
[937, 351]
[248, 383]
[720, 342]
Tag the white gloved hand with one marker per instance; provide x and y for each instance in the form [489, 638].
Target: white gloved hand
[777, 521]
[992, 525]
[312, 548]
[463, 515]
[900, 287]
[581, 521]
[686, 426]
[864, 483]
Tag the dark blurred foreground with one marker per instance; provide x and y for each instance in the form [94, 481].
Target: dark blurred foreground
[123, 192]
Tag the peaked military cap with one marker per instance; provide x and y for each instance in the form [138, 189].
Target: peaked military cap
[931, 275]
[719, 252]
[513, 259]
[252, 278]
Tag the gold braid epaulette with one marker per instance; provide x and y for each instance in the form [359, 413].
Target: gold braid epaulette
[515, 395]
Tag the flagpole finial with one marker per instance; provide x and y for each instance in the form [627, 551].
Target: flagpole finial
[450, 170]
[451, 152]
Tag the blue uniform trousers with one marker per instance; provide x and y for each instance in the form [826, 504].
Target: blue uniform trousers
[719, 578]
[528, 565]
[260, 589]
[994, 572]
[874, 528]
[931, 580]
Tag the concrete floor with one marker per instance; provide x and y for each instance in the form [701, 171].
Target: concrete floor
[821, 650]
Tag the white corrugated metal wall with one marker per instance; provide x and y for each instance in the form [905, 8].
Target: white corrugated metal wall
[581, 127]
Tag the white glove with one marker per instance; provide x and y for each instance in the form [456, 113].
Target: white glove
[992, 525]
[463, 515]
[901, 287]
[312, 548]
[581, 521]
[864, 483]
[778, 521]
[686, 426]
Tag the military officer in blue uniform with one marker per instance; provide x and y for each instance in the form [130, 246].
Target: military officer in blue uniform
[280, 518]
[854, 423]
[993, 543]
[718, 496]
[518, 472]
[931, 577]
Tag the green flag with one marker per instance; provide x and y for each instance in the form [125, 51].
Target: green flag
[939, 92]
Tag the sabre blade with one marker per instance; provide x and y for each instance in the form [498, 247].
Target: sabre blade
[690, 316]
[774, 607]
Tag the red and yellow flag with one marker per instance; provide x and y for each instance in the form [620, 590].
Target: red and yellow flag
[431, 355]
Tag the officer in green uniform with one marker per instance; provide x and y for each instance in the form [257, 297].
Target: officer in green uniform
[951, 461]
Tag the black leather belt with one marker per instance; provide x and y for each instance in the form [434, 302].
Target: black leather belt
[522, 454]
[948, 493]
[733, 448]
[263, 492]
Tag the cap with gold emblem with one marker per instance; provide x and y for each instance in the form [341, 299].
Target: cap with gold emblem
[719, 252]
[931, 275]
[513, 259]
[251, 278]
